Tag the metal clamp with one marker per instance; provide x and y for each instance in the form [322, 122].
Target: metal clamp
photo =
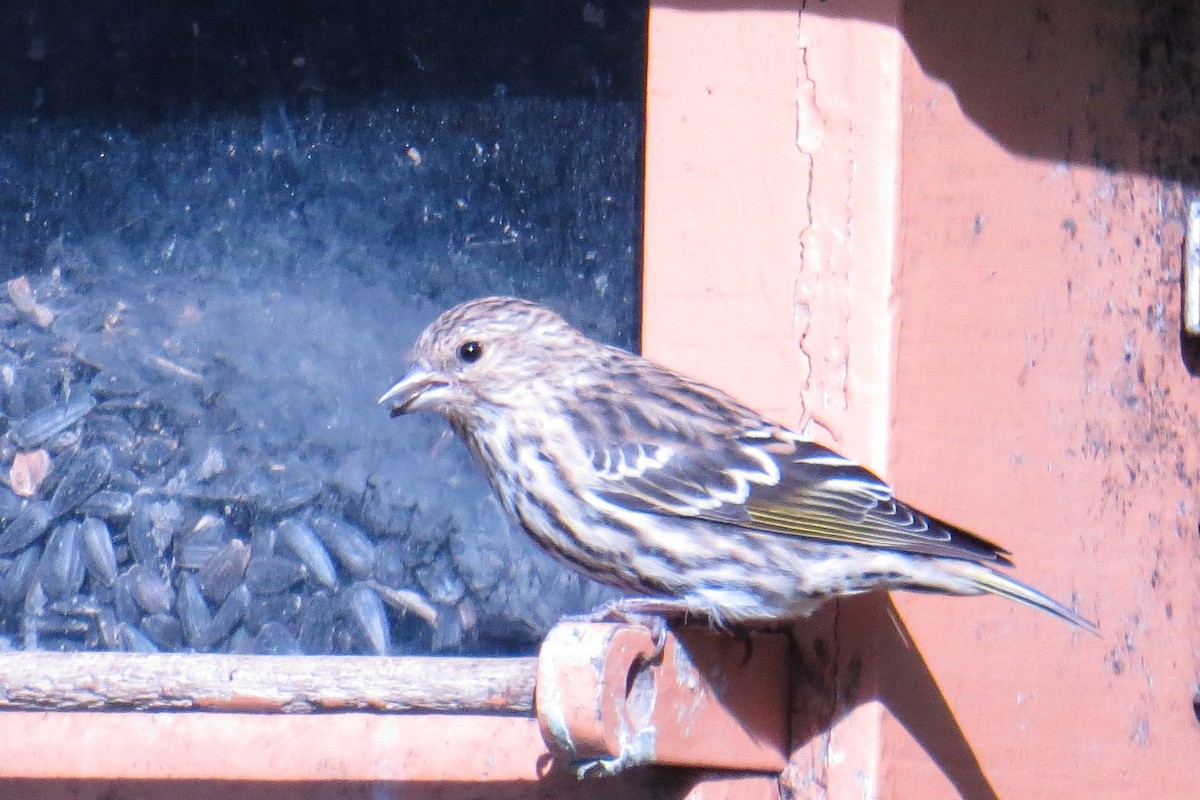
[1191, 271]
[711, 700]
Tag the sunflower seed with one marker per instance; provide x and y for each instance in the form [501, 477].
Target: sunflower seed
[283, 607]
[108, 505]
[14, 584]
[228, 616]
[273, 574]
[365, 613]
[316, 624]
[62, 567]
[303, 542]
[98, 547]
[134, 640]
[164, 630]
[86, 474]
[275, 639]
[152, 593]
[349, 545]
[27, 527]
[224, 571]
[193, 611]
[38, 427]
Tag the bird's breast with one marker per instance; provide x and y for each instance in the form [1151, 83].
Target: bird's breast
[537, 478]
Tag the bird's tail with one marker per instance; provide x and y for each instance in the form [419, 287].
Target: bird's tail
[986, 580]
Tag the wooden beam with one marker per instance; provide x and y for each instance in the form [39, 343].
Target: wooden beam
[202, 682]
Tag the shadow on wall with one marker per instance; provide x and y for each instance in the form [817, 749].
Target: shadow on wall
[1108, 85]
[854, 651]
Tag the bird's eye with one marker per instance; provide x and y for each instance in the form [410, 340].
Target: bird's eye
[469, 352]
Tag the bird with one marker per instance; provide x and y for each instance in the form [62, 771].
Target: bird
[691, 504]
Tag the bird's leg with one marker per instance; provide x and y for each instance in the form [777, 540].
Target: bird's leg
[624, 607]
[651, 613]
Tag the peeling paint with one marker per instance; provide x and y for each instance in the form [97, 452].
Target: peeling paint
[810, 131]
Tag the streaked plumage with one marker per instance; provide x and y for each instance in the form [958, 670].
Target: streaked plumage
[664, 487]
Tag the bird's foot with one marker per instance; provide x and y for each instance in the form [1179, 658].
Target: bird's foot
[651, 613]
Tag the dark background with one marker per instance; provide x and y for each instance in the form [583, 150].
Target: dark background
[278, 197]
[463, 147]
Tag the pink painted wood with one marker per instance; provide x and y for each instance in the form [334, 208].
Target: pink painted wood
[954, 237]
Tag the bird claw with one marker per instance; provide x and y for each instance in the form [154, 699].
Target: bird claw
[636, 747]
[597, 767]
[658, 635]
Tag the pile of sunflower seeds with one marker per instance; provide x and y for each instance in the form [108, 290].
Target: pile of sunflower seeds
[142, 510]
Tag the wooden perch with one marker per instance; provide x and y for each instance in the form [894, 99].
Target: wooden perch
[137, 681]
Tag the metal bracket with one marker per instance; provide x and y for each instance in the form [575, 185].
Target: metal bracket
[712, 700]
[1191, 271]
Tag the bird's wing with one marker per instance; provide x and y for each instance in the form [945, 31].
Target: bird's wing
[771, 481]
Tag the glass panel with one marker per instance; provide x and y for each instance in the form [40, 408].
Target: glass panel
[222, 225]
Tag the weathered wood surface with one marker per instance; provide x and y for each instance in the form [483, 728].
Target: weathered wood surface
[137, 681]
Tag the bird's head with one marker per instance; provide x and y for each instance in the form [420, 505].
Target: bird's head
[484, 355]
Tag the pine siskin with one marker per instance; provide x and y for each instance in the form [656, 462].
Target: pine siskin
[645, 480]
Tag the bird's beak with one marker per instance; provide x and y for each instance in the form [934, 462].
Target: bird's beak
[415, 391]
